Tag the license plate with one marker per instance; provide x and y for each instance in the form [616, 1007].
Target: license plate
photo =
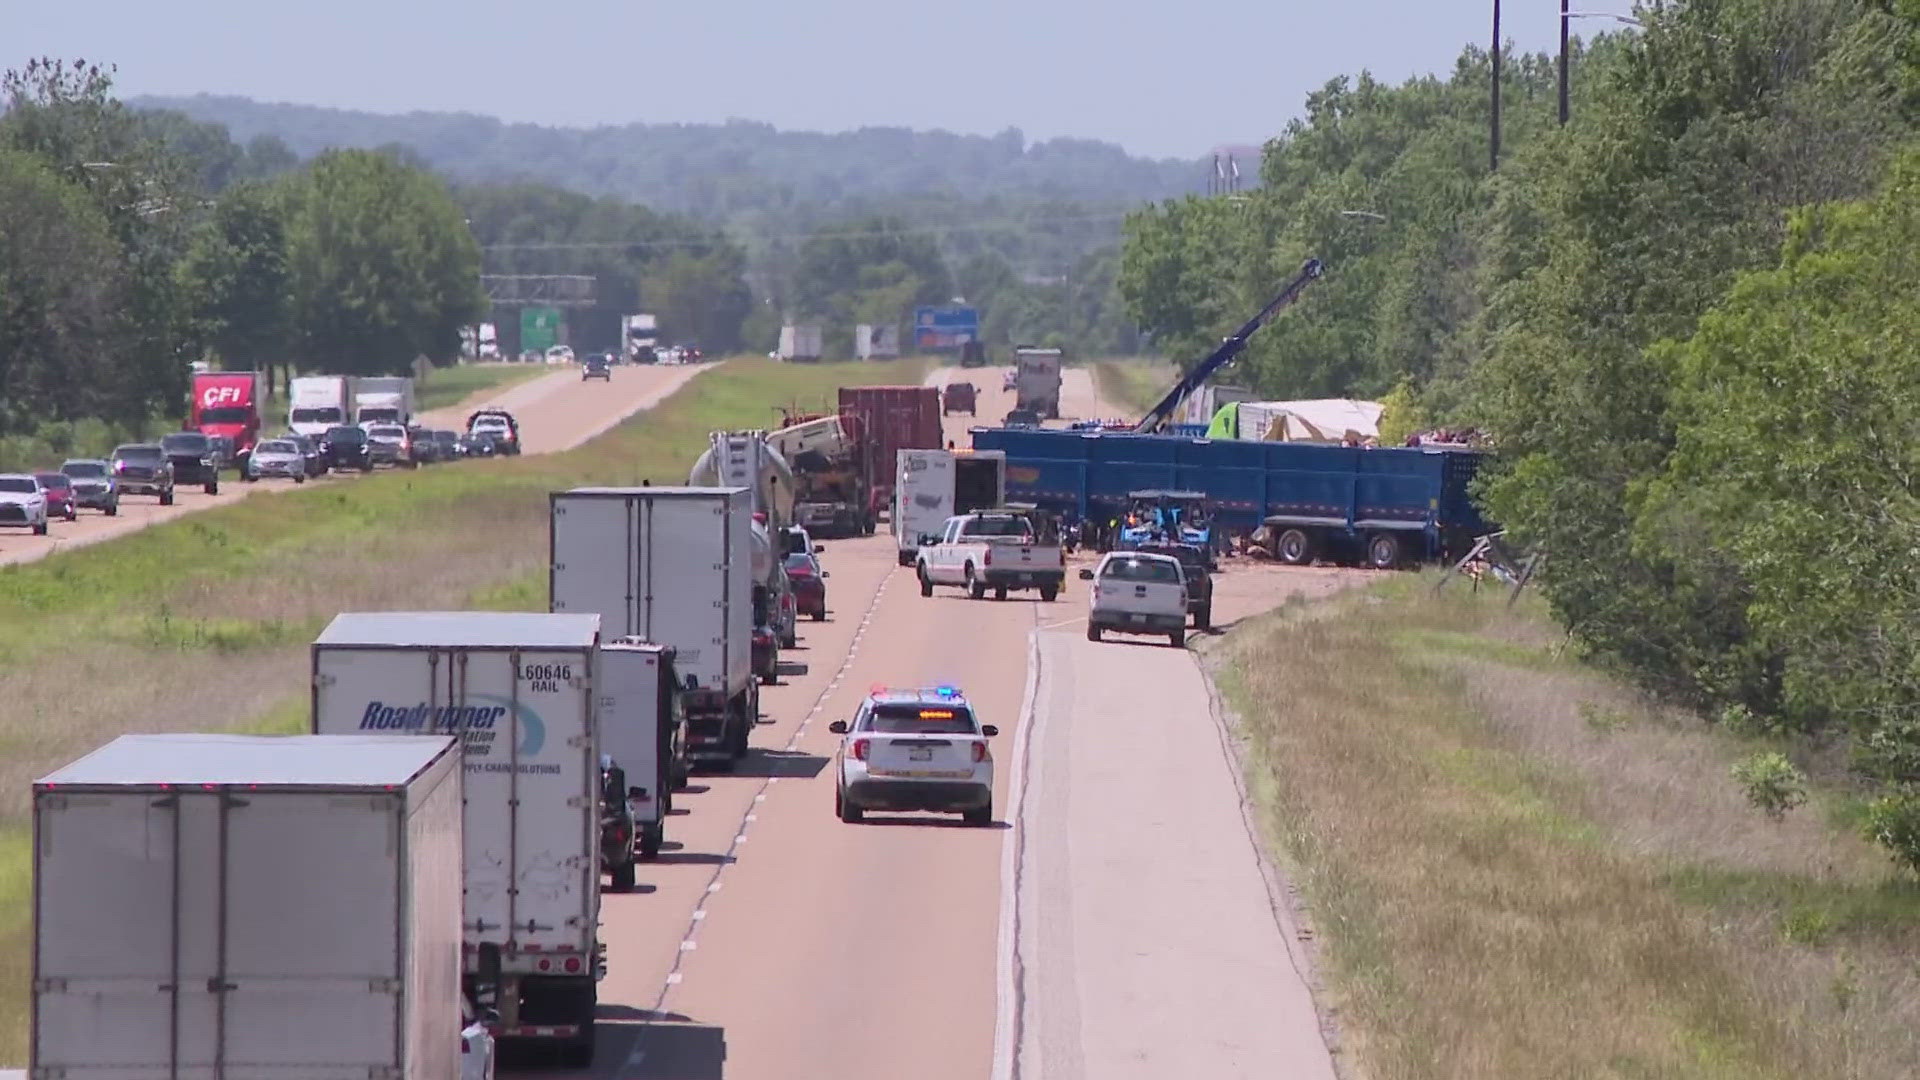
[924, 753]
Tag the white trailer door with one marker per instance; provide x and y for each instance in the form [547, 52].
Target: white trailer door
[689, 579]
[532, 829]
[312, 961]
[926, 494]
[595, 569]
[379, 691]
[630, 721]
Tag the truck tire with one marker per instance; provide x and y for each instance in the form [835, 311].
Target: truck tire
[212, 487]
[1294, 547]
[1093, 632]
[40, 529]
[769, 680]
[577, 1053]
[976, 589]
[1000, 593]
[1203, 618]
[1179, 639]
[166, 498]
[1383, 551]
[845, 810]
[299, 478]
[650, 838]
[1048, 592]
[112, 509]
[621, 876]
[979, 818]
[926, 583]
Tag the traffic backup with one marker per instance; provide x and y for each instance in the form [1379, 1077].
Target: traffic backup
[914, 750]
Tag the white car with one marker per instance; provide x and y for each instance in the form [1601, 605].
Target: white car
[390, 443]
[560, 354]
[1135, 592]
[914, 750]
[276, 457]
[23, 502]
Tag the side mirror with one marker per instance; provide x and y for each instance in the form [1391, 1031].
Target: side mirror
[636, 793]
[826, 573]
[989, 730]
[1086, 574]
[838, 727]
[818, 548]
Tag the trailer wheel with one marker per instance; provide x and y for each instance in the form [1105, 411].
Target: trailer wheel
[1383, 551]
[1203, 618]
[926, 583]
[1048, 592]
[577, 1053]
[1293, 547]
[622, 877]
[650, 838]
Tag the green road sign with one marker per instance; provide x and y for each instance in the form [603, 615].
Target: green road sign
[539, 328]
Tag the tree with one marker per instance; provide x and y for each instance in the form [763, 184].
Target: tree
[237, 272]
[700, 298]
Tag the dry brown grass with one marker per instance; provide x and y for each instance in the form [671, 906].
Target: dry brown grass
[1520, 869]
[202, 624]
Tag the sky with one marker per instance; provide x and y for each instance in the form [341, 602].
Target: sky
[1159, 79]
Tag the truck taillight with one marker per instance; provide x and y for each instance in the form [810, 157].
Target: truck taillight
[859, 749]
[986, 559]
[979, 751]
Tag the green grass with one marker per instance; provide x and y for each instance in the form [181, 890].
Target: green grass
[1516, 868]
[201, 623]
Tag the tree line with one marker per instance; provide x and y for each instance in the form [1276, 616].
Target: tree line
[1686, 317]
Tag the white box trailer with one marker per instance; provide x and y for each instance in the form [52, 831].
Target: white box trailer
[273, 907]
[934, 485]
[671, 565]
[518, 688]
[643, 744]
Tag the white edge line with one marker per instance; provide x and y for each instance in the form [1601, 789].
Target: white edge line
[1006, 993]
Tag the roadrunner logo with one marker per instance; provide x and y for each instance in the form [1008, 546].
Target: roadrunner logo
[478, 723]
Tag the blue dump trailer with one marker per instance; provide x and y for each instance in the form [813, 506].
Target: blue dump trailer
[1385, 507]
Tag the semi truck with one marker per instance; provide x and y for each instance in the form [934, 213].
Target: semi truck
[890, 419]
[746, 459]
[383, 399]
[227, 404]
[673, 566]
[800, 344]
[234, 905]
[319, 402]
[829, 486]
[642, 752]
[1037, 381]
[518, 689]
[935, 485]
[876, 342]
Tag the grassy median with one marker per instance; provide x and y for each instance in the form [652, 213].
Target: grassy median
[201, 624]
[1516, 867]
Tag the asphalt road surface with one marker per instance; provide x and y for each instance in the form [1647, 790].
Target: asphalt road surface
[1114, 921]
[557, 411]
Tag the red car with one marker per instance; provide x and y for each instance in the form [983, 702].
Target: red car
[59, 494]
[809, 585]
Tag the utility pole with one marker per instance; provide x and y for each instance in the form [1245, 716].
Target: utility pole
[1493, 144]
[1565, 18]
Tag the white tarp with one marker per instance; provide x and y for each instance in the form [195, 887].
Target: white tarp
[1318, 420]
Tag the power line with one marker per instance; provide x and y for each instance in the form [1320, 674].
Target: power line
[921, 230]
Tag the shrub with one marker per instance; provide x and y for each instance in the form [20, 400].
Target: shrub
[1771, 782]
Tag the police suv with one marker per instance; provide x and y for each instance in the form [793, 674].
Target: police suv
[914, 750]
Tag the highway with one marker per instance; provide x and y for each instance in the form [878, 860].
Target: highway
[556, 411]
[1115, 921]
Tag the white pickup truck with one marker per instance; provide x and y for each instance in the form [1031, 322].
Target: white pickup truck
[993, 549]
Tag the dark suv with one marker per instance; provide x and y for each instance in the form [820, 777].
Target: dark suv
[192, 456]
[143, 469]
[345, 447]
[1196, 564]
[596, 367]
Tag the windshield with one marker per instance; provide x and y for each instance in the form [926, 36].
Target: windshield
[187, 443]
[489, 424]
[379, 414]
[138, 453]
[1006, 526]
[226, 414]
[445, 437]
[921, 720]
[328, 415]
[84, 468]
[1189, 557]
[800, 560]
[21, 485]
[383, 431]
[52, 480]
[277, 447]
[346, 434]
[1158, 570]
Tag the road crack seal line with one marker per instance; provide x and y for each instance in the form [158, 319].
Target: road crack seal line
[688, 942]
[1009, 1020]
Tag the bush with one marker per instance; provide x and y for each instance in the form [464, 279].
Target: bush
[1772, 783]
[1893, 821]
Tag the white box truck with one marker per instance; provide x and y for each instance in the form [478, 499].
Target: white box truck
[934, 485]
[257, 906]
[518, 688]
[876, 341]
[383, 399]
[1037, 381]
[671, 565]
[643, 751]
[800, 344]
[318, 402]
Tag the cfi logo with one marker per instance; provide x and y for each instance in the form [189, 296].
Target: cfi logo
[533, 730]
[220, 395]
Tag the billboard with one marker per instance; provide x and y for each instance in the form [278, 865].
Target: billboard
[938, 329]
[539, 328]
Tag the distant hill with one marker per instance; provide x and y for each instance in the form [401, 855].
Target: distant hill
[719, 171]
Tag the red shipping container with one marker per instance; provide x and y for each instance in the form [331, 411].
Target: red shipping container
[891, 419]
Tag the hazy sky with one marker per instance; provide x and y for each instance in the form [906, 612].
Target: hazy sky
[1166, 79]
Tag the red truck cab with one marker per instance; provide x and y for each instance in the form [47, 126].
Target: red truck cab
[228, 403]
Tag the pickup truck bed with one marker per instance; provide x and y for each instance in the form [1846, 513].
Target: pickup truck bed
[996, 551]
